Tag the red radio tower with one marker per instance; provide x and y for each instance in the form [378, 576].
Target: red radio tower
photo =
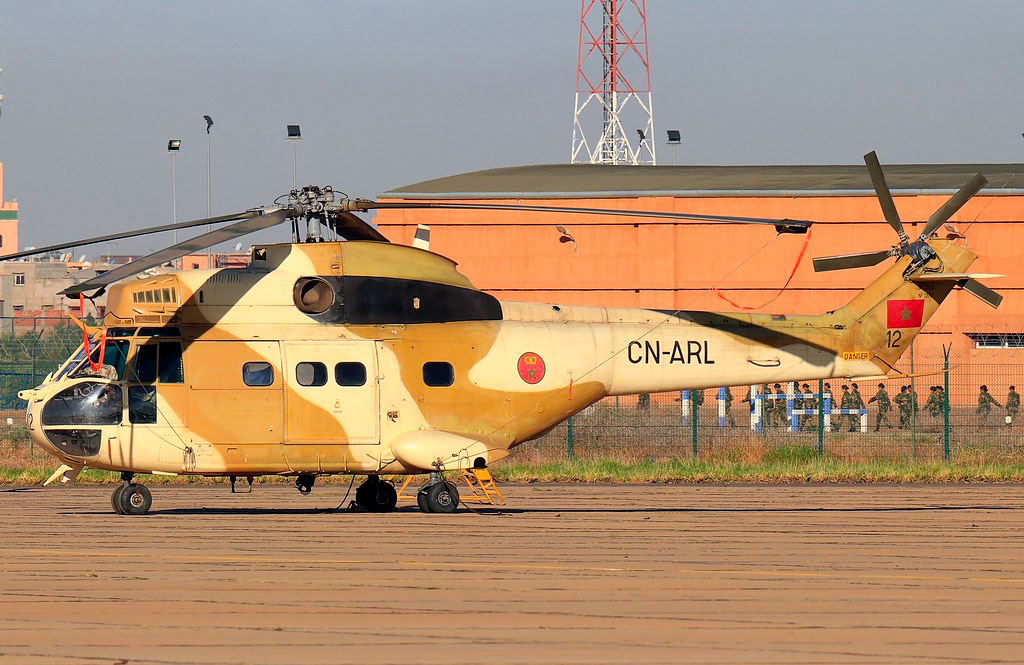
[613, 75]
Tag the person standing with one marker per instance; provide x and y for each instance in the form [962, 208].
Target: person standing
[903, 404]
[934, 403]
[729, 421]
[810, 404]
[780, 406]
[914, 404]
[767, 407]
[846, 403]
[858, 403]
[884, 404]
[1012, 404]
[985, 402]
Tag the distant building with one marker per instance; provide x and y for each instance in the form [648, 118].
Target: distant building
[8, 221]
[31, 289]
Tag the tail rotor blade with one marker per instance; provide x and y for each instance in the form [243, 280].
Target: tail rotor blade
[885, 196]
[982, 293]
[844, 261]
[955, 202]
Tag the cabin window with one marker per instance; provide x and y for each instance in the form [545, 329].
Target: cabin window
[149, 296]
[170, 367]
[142, 405]
[438, 374]
[167, 295]
[257, 374]
[135, 297]
[156, 296]
[350, 374]
[311, 374]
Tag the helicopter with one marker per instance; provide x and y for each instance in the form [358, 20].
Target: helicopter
[340, 352]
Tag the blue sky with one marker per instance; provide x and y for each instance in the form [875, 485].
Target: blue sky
[389, 93]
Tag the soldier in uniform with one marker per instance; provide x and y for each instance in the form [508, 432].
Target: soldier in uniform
[846, 402]
[729, 420]
[903, 404]
[779, 409]
[914, 402]
[934, 403]
[858, 403]
[985, 402]
[884, 404]
[810, 403]
[766, 407]
[643, 402]
[1012, 404]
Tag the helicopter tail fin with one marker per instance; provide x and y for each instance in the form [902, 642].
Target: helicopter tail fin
[888, 314]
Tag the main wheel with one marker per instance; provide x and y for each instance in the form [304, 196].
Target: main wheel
[421, 498]
[115, 499]
[377, 496]
[135, 500]
[442, 497]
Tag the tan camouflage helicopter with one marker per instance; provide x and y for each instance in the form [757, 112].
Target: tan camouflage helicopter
[363, 357]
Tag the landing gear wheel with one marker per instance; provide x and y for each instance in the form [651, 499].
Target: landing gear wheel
[421, 498]
[135, 499]
[376, 496]
[441, 497]
[115, 499]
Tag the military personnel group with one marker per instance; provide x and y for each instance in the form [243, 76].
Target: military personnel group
[775, 413]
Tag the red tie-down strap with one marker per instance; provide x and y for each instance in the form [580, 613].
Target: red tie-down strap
[85, 337]
[799, 258]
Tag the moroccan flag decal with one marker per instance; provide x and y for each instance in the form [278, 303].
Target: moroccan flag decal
[904, 313]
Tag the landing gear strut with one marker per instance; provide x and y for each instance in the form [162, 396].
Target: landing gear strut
[131, 498]
[376, 495]
[438, 496]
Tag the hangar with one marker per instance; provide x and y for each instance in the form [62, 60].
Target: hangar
[677, 264]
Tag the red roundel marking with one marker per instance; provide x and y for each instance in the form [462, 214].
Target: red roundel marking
[531, 367]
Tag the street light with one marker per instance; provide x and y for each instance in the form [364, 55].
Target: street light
[674, 139]
[294, 136]
[209, 185]
[173, 147]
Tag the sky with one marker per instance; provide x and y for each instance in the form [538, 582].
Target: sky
[390, 93]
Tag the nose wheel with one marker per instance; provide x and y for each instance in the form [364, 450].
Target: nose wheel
[376, 495]
[438, 497]
[131, 499]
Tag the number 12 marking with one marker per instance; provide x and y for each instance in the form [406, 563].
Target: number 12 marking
[894, 337]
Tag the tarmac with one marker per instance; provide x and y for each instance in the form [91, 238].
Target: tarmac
[564, 573]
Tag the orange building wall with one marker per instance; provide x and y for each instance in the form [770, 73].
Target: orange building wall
[670, 264]
[8, 227]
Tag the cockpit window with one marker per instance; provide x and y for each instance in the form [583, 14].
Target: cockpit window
[86, 403]
[115, 355]
[120, 332]
[170, 368]
[145, 364]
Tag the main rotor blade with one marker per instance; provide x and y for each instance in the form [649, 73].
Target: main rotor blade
[781, 225]
[982, 293]
[844, 261]
[138, 232]
[954, 203]
[884, 196]
[223, 234]
[352, 227]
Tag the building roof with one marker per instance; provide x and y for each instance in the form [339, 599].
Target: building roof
[603, 181]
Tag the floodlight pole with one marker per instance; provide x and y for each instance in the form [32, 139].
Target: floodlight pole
[295, 160]
[209, 190]
[174, 198]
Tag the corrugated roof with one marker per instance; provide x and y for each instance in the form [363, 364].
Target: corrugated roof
[598, 180]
